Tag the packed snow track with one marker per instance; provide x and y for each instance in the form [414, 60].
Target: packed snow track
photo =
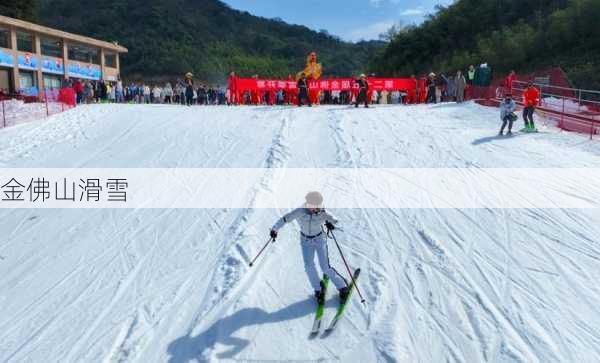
[173, 285]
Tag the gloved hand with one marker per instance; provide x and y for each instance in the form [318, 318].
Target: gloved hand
[329, 226]
[274, 234]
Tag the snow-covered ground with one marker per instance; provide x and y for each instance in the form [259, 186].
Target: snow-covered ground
[158, 285]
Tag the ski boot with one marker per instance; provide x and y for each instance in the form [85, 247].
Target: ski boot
[344, 293]
[320, 294]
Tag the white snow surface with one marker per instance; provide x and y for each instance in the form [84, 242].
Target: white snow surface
[171, 285]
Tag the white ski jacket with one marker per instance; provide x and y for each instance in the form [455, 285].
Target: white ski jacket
[310, 224]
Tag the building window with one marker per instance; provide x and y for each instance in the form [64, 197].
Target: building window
[5, 38]
[52, 82]
[24, 42]
[27, 84]
[51, 47]
[82, 53]
[110, 60]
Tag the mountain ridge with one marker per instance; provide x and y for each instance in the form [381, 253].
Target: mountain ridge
[206, 37]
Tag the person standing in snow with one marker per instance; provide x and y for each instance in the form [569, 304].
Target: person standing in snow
[508, 82]
[156, 94]
[78, 88]
[119, 91]
[363, 91]
[311, 217]
[168, 93]
[112, 93]
[189, 92]
[461, 85]
[440, 87]
[531, 98]
[232, 87]
[451, 88]
[507, 115]
[88, 92]
[430, 84]
[471, 75]
[302, 86]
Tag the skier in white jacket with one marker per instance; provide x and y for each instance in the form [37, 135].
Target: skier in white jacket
[311, 217]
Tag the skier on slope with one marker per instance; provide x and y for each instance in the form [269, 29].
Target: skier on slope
[531, 98]
[311, 217]
[507, 114]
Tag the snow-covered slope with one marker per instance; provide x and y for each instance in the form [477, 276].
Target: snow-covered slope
[443, 285]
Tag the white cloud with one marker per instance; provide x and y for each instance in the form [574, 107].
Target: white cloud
[413, 12]
[378, 3]
[371, 31]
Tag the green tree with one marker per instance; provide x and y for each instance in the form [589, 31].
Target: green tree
[20, 9]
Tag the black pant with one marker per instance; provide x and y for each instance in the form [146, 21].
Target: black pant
[362, 98]
[528, 116]
[303, 95]
[509, 120]
[431, 95]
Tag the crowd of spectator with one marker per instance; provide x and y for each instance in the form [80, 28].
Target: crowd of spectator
[457, 87]
[144, 93]
[432, 88]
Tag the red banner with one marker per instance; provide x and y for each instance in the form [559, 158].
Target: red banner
[337, 84]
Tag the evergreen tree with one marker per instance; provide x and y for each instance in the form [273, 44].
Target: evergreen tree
[19, 9]
[508, 34]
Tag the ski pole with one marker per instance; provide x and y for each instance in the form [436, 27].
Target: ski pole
[347, 267]
[261, 251]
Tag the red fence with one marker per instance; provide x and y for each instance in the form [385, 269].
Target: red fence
[17, 109]
[569, 108]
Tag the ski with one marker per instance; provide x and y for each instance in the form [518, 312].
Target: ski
[343, 304]
[528, 130]
[320, 307]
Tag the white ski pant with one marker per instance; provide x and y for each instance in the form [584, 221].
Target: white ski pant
[318, 246]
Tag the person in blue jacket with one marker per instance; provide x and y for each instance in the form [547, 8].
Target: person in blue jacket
[507, 114]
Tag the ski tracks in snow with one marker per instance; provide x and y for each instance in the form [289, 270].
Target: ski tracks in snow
[232, 277]
[442, 285]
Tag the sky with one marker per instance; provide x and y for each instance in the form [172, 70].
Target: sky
[351, 20]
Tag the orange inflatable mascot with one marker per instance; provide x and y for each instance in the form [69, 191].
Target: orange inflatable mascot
[313, 71]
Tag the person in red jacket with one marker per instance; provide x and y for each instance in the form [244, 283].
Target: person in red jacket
[412, 92]
[531, 98]
[509, 81]
[233, 89]
[290, 94]
[255, 93]
[78, 88]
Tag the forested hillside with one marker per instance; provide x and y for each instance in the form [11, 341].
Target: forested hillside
[508, 34]
[207, 37]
